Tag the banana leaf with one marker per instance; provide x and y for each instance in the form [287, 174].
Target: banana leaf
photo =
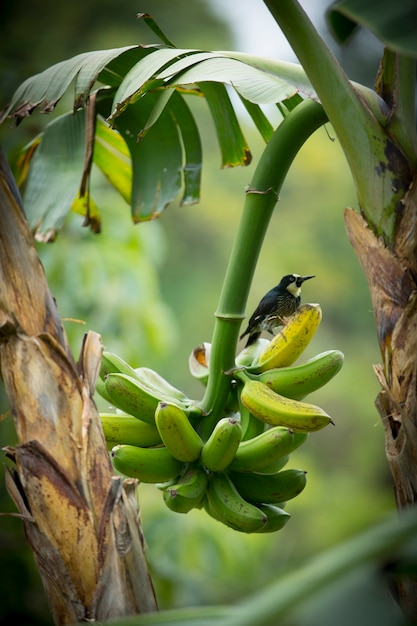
[347, 584]
[394, 23]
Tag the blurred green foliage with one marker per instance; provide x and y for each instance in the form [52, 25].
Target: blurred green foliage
[151, 292]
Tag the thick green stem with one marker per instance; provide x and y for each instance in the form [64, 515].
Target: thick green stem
[396, 85]
[378, 165]
[261, 198]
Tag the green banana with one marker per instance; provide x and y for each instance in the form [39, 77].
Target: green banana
[220, 448]
[251, 426]
[101, 390]
[250, 353]
[121, 428]
[178, 435]
[291, 341]
[149, 465]
[157, 382]
[132, 396]
[188, 492]
[276, 518]
[299, 439]
[298, 381]
[259, 452]
[225, 504]
[274, 468]
[277, 410]
[112, 363]
[270, 488]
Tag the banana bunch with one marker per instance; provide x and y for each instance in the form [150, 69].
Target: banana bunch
[239, 474]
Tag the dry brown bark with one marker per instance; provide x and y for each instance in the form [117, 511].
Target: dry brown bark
[391, 273]
[82, 523]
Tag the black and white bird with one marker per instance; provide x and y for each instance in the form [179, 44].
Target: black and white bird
[279, 303]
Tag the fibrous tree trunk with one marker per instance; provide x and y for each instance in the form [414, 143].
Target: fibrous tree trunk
[82, 523]
[392, 274]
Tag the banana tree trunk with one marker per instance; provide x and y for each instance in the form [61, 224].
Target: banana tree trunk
[81, 522]
[392, 273]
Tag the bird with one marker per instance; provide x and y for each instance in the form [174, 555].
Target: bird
[279, 302]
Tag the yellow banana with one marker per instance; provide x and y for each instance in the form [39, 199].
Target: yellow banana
[149, 465]
[291, 341]
[225, 504]
[260, 452]
[269, 488]
[178, 435]
[122, 428]
[188, 492]
[220, 448]
[298, 381]
[276, 410]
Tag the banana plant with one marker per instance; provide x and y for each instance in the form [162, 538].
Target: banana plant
[131, 119]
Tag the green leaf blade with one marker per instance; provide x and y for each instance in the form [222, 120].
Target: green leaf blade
[46, 89]
[156, 158]
[259, 118]
[193, 153]
[142, 72]
[250, 82]
[55, 175]
[394, 23]
[233, 146]
[112, 156]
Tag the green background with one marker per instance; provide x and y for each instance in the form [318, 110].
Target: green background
[151, 291]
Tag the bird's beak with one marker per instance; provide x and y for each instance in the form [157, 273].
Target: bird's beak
[303, 278]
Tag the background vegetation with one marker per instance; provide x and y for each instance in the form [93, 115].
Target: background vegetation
[151, 291]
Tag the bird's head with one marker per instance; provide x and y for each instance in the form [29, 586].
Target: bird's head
[293, 282]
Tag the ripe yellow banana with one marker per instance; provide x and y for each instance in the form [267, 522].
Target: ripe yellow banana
[178, 435]
[269, 488]
[122, 428]
[188, 492]
[226, 505]
[277, 410]
[149, 465]
[298, 381]
[220, 448]
[291, 341]
[256, 454]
